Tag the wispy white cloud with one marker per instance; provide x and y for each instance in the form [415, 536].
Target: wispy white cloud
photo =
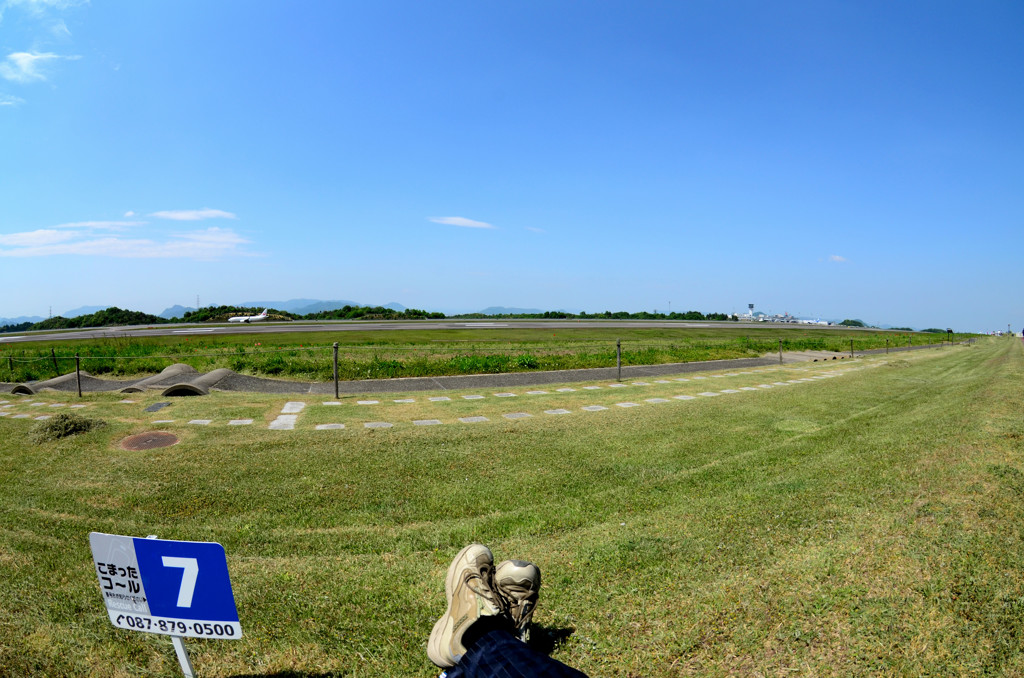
[60, 29]
[38, 238]
[8, 100]
[129, 214]
[836, 257]
[535, 229]
[193, 215]
[101, 238]
[24, 67]
[103, 225]
[461, 221]
[38, 6]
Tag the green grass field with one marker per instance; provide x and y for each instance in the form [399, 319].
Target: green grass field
[434, 352]
[866, 524]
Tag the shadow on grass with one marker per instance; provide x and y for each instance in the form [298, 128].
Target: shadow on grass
[545, 639]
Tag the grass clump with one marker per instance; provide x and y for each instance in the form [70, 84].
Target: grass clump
[61, 426]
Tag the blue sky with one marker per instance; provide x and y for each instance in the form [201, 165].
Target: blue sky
[830, 159]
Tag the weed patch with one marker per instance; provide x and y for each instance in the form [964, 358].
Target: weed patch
[61, 426]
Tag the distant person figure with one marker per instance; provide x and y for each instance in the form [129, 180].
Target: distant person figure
[483, 632]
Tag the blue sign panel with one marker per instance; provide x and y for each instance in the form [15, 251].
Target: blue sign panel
[179, 588]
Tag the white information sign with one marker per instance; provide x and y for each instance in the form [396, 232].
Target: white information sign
[177, 588]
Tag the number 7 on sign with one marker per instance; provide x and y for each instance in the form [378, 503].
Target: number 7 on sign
[190, 567]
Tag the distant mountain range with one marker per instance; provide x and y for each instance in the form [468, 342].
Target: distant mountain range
[505, 310]
[304, 306]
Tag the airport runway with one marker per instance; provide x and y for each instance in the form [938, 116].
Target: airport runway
[371, 326]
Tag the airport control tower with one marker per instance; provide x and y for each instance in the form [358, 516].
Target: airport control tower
[751, 311]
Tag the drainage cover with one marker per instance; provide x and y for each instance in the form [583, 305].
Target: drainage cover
[149, 441]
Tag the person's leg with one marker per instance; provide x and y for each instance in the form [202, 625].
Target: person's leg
[495, 653]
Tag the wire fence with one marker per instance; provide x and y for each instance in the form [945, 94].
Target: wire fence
[440, 358]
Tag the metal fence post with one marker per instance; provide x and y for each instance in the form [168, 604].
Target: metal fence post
[851, 348]
[618, 356]
[335, 370]
[886, 347]
[780, 351]
[56, 370]
[78, 374]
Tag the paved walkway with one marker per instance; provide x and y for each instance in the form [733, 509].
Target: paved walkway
[183, 380]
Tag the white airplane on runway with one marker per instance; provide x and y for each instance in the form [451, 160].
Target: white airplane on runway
[248, 318]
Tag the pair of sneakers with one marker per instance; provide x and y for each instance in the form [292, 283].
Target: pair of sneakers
[475, 588]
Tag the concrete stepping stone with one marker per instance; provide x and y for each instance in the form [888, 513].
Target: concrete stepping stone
[4, 402]
[20, 416]
[655, 400]
[616, 386]
[698, 378]
[43, 417]
[718, 376]
[536, 393]
[594, 408]
[780, 383]
[565, 390]
[662, 381]
[127, 402]
[440, 399]
[239, 422]
[329, 427]
[5, 413]
[559, 411]
[201, 422]
[163, 421]
[59, 405]
[591, 388]
[406, 400]
[156, 407]
[730, 390]
[293, 407]
[640, 383]
[682, 379]
[377, 424]
[747, 388]
[367, 402]
[709, 394]
[627, 404]
[684, 397]
[473, 397]
[427, 422]
[473, 420]
[504, 395]
[77, 407]
[765, 386]
[517, 415]
[36, 404]
[332, 402]
[284, 422]
[732, 374]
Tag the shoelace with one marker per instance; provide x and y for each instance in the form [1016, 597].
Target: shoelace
[483, 590]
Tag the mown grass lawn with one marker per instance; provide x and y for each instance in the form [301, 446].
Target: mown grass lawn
[867, 524]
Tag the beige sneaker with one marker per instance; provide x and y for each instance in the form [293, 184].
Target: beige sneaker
[518, 583]
[470, 596]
